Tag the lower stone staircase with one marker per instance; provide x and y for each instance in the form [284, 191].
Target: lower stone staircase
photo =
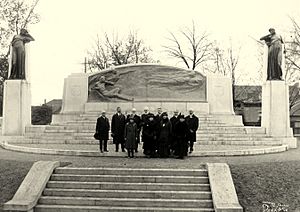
[126, 189]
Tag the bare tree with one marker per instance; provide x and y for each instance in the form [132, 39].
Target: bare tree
[198, 51]
[114, 51]
[225, 62]
[293, 54]
[14, 15]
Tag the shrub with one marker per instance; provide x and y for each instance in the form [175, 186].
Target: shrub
[41, 115]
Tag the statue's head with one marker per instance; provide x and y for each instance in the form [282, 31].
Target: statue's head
[272, 31]
[23, 32]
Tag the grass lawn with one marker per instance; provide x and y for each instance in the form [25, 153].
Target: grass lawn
[12, 174]
[277, 182]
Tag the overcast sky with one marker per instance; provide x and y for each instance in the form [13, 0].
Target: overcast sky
[68, 28]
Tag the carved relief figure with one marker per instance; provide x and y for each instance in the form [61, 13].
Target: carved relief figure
[104, 93]
[147, 83]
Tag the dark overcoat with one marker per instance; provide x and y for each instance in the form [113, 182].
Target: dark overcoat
[102, 128]
[149, 135]
[130, 135]
[117, 128]
[164, 137]
[193, 124]
[181, 131]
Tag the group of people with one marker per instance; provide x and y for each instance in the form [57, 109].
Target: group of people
[161, 136]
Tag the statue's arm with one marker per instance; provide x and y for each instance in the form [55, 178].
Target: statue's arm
[265, 38]
[109, 83]
[28, 38]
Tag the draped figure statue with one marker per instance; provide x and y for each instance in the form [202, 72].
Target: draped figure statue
[17, 70]
[274, 43]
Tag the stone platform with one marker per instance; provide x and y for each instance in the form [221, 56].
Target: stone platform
[218, 135]
[92, 150]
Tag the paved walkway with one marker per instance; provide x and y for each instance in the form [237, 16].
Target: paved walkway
[189, 162]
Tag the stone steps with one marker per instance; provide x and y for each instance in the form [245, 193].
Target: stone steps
[78, 208]
[202, 142]
[129, 178]
[128, 202]
[129, 186]
[127, 194]
[140, 172]
[126, 189]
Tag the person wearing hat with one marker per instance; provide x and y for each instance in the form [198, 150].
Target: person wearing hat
[149, 136]
[102, 131]
[144, 119]
[174, 119]
[137, 120]
[164, 136]
[193, 124]
[181, 131]
[130, 136]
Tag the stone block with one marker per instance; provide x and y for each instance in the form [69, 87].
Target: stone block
[275, 111]
[219, 94]
[96, 107]
[75, 93]
[32, 186]
[16, 107]
[222, 188]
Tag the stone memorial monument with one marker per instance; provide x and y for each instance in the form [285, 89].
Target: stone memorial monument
[275, 92]
[140, 85]
[17, 93]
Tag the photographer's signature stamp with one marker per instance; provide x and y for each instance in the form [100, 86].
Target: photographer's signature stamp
[274, 207]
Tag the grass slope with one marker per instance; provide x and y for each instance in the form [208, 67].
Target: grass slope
[277, 182]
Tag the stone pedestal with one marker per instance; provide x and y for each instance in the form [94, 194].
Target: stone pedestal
[275, 112]
[75, 93]
[219, 94]
[16, 107]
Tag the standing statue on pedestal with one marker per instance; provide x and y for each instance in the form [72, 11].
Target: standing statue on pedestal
[17, 70]
[274, 43]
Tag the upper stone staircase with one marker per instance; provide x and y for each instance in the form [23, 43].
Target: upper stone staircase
[213, 130]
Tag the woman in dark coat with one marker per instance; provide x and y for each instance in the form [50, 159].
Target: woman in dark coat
[130, 136]
[149, 136]
[181, 131]
[102, 129]
[164, 136]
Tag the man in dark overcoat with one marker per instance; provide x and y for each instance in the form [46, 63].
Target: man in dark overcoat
[181, 131]
[193, 124]
[102, 130]
[149, 136]
[117, 129]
